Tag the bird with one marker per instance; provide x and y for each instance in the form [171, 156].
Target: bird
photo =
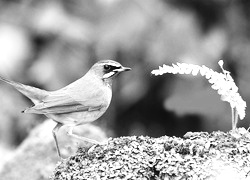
[83, 101]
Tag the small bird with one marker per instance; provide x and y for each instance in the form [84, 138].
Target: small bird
[80, 102]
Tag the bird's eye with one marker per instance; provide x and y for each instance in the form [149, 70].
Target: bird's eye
[107, 67]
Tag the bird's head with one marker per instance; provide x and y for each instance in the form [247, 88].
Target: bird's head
[107, 69]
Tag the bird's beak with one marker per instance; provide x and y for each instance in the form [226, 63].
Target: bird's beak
[121, 69]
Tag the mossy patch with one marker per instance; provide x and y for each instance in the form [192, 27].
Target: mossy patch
[198, 155]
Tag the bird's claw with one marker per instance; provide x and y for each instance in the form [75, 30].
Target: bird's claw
[92, 148]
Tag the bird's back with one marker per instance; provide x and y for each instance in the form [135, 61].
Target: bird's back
[80, 102]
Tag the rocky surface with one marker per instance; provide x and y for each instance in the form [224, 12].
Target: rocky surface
[36, 157]
[197, 155]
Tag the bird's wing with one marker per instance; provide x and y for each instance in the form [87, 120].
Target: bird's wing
[62, 103]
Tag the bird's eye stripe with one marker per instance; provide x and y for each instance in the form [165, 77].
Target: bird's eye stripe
[108, 67]
[111, 64]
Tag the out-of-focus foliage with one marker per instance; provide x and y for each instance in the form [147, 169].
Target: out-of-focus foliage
[51, 43]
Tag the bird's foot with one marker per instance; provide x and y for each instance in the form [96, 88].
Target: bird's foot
[62, 159]
[92, 148]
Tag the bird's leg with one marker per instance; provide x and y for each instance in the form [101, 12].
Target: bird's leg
[54, 131]
[70, 133]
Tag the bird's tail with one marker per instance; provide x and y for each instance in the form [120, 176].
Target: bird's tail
[36, 95]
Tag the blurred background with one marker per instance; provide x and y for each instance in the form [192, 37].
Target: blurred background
[51, 43]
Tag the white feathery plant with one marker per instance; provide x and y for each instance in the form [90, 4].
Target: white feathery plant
[223, 83]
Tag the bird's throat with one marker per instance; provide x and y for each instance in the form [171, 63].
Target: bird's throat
[107, 82]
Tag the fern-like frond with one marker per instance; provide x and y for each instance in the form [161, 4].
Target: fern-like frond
[222, 82]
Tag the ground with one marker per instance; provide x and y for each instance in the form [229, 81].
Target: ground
[198, 155]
